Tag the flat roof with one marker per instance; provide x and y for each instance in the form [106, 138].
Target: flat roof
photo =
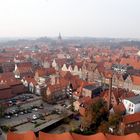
[51, 122]
[92, 87]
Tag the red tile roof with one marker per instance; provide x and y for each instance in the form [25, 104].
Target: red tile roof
[131, 118]
[63, 136]
[11, 88]
[68, 136]
[98, 136]
[135, 80]
[131, 61]
[120, 108]
[23, 136]
[133, 136]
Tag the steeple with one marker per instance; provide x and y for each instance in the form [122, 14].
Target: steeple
[59, 37]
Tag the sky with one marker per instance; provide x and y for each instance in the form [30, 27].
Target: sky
[91, 18]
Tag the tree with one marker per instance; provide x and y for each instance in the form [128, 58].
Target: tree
[95, 114]
[99, 112]
[104, 127]
[114, 119]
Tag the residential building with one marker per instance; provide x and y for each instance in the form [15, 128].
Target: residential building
[91, 91]
[130, 124]
[132, 104]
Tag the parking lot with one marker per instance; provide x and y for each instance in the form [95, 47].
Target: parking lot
[21, 99]
[30, 110]
[32, 125]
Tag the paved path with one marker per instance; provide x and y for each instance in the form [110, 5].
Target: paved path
[3, 137]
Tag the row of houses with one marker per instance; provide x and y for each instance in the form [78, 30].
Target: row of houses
[94, 73]
[88, 71]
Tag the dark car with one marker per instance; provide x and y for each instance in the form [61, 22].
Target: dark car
[29, 110]
[76, 117]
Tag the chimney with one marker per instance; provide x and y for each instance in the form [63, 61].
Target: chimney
[110, 92]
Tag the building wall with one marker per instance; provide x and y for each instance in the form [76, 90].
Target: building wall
[129, 106]
[86, 92]
[128, 83]
[90, 76]
[97, 76]
[76, 105]
[132, 128]
[136, 87]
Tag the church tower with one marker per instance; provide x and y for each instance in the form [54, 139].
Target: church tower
[59, 37]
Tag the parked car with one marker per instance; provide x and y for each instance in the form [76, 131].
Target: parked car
[76, 117]
[16, 115]
[41, 117]
[21, 113]
[29, 110]
[68, 106]
[40, 107]
[7, 116]
[25, 111]
[34, 117]
[33, 121]
[35, 109]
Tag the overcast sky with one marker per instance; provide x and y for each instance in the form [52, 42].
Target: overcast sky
[96, 18]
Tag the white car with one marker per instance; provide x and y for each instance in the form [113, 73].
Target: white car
[8, 117]
[35, 109]
[34, 117]
[68, 106]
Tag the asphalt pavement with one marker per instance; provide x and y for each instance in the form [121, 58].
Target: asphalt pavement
[23, 118]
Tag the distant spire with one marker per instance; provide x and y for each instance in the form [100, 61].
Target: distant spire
[59, 37]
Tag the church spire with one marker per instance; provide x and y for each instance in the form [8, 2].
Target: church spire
[59, 37]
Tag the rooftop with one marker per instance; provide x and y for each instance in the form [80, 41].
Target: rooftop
[91, 87]
[45, 136]
[134, 99]
[131, 118]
